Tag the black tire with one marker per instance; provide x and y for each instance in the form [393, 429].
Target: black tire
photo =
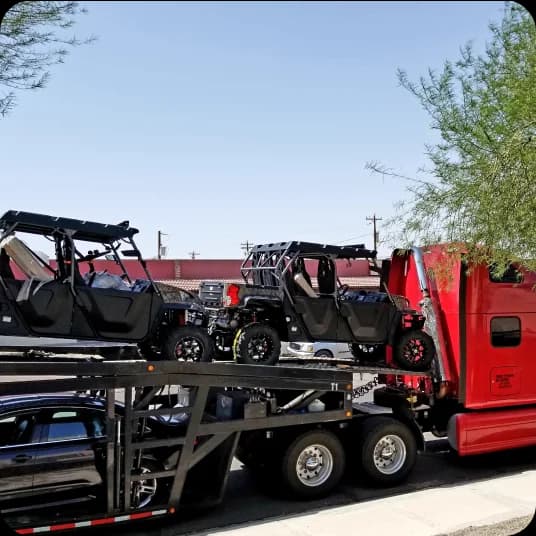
[323, 353]
[140, 497]
[387, 450]
[257, 344]
[188, 343]
[320, 447]
[368, 352]
[149, 351]
[414, 351]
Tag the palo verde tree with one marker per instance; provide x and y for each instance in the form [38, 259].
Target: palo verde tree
[31, 41]
[480, 190]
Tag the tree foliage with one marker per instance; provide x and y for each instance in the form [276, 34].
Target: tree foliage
[481, 188]
[32, 40]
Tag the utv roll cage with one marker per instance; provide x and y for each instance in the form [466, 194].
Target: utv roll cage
[268, 264]
[63, 232]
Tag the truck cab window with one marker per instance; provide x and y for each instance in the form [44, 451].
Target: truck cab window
[505, 331]
[511, 275]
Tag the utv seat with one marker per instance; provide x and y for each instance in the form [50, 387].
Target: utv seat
[304, 285]
[326, 276]
[6, 271]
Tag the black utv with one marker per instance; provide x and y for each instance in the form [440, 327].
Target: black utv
[278, 301]
[53, 299]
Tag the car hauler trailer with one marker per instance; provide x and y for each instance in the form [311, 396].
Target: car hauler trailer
[303, 415]
[480, 394]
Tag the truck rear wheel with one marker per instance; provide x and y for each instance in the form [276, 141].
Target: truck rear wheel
[415, 350]
[313, 464]
[188, 343]
[257, 344]
[388, 450]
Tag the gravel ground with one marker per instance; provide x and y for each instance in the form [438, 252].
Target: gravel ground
[510, 527]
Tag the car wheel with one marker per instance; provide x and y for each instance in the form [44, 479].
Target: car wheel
[188, 343]
[415, 351]
[368, 352]
[388, 450]
[323, 353]
[257, 344]
[149, 491]
[313, 464]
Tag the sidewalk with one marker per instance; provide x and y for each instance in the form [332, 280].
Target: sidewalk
[429, 512]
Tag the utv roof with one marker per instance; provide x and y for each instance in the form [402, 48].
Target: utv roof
[353, 251]
[29, 222]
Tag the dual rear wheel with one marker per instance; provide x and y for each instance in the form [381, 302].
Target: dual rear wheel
[312, 464]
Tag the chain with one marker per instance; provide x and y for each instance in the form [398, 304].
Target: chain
[362, 390]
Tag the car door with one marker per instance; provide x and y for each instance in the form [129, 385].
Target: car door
[70, 450]
[17, 453]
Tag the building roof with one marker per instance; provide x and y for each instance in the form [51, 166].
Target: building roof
[366, 282]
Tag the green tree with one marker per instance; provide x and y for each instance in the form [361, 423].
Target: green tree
[481, 187]
[32, 40]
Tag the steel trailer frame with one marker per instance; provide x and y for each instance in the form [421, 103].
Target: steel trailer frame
[140, 382]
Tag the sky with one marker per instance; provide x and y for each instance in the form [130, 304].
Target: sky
[219, 123]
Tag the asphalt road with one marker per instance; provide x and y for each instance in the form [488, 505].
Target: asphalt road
[246, 503]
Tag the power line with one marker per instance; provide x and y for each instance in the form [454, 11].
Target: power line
[352, 238]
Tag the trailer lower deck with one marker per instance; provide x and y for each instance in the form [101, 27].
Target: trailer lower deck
[230, 407]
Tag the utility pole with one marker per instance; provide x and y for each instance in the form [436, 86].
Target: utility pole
[193, 254]
[246, 246]
[374, 219]
[159, 245]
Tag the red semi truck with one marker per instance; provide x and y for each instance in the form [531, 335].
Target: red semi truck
[482, 392]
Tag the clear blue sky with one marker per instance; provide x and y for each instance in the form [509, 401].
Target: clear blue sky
[223, 122]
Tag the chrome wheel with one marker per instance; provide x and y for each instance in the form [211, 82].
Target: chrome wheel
[143, 491]
[314, 465]
[389, 454]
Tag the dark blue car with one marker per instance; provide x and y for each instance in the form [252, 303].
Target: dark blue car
[57, 443]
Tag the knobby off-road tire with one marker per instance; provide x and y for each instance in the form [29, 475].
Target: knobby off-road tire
[414, 351]
[257, 344]
[188, 343]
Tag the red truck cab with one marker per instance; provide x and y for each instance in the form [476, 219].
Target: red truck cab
[484, 329]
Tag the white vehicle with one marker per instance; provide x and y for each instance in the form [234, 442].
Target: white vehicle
[318, 349]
